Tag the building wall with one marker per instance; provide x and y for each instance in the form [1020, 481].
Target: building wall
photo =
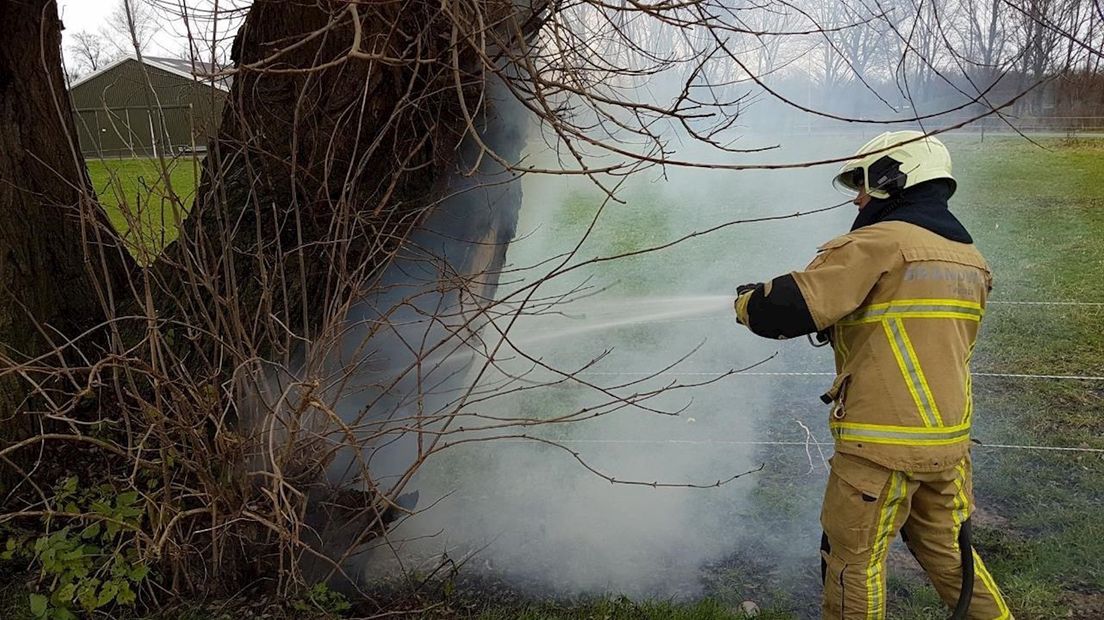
[119, 113]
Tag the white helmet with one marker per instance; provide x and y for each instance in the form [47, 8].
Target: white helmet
[885, 164]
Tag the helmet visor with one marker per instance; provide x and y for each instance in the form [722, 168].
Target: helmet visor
[850, 181]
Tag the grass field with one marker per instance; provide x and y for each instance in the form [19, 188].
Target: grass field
[1038, 214]
[139, 203]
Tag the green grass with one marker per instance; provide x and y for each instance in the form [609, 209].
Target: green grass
[14, 601]
[140, 204]
[1038, 215]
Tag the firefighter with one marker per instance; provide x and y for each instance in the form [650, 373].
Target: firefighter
[900, 297]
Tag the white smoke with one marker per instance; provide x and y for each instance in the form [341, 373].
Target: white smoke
[529, 512]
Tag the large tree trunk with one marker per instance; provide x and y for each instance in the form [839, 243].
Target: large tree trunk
[328, 157]
[318, 178]
[318, 174]
[58, 258]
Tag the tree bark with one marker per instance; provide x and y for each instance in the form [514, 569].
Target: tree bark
[317, 175]
[58, 257]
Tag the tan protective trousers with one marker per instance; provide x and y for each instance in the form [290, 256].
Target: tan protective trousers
[865, 505]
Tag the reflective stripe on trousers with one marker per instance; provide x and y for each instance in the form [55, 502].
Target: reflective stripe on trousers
[859, 528]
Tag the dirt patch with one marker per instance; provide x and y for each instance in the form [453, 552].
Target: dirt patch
[901, 563]
[987, 517]
[1085, 605]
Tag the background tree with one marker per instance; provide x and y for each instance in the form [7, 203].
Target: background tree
[986, 36]
[89, 52]
[130, 22]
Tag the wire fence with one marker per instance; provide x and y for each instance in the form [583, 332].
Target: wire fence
[810, 441]
[804, 443]
[991, 124]
[714, 373]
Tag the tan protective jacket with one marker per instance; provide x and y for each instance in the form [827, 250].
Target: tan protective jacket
[904, 306]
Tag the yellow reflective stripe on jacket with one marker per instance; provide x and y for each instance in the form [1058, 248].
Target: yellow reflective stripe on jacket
[911, 371]
[969, 410]
[916, 309]
[933, 407]
[838, 342]
[900, 435]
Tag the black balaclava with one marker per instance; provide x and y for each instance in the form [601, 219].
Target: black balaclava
[924, 205]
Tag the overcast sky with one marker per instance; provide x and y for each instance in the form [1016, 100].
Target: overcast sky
[84, 14]
[169, 40]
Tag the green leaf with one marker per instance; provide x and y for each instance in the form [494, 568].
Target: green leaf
[70, 484]
[138, 573]
[38, 605]
[60, 613]
[13, 548]
[127, 499]
[126, 596]
[91, 531]
[107, 593]
[65, 593]
[86, 594]
[73, 554]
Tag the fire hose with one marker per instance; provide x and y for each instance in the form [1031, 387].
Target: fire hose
[966, 593]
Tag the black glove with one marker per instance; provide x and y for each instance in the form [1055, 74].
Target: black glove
[821, 338]
[743, 288]
[743, 296]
